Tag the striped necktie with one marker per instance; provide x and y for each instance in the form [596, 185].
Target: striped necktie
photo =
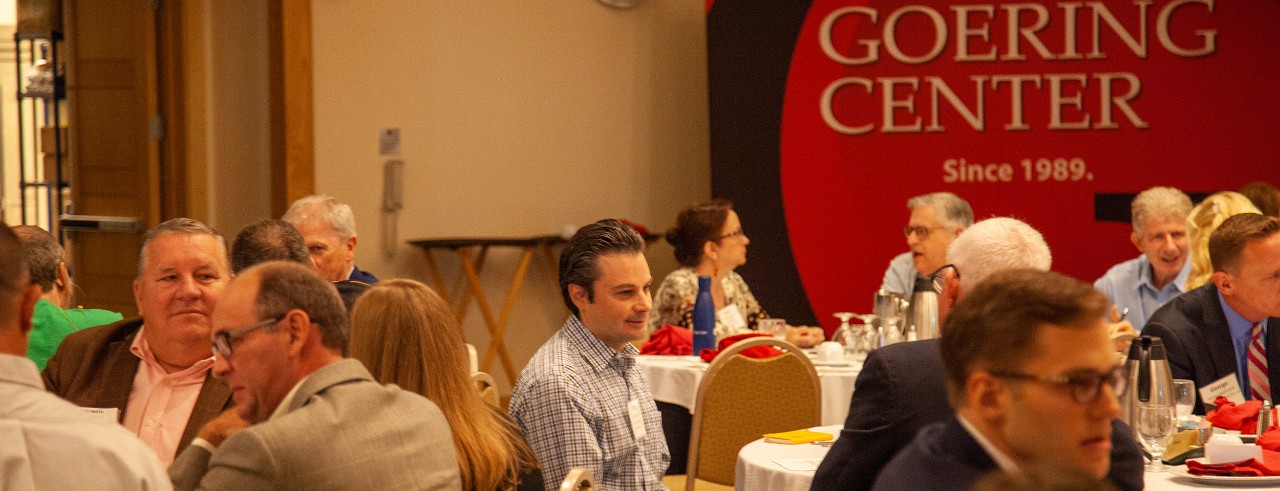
[1259, 384]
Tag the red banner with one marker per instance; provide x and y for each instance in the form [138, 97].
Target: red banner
[1030, 110]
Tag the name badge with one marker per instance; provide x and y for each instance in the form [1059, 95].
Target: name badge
[1227, 386]
[636, 417]
[102, 414]
[732, 317]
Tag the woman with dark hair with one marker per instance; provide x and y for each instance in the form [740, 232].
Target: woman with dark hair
[708, 240]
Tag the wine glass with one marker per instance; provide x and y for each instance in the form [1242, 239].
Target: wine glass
[1184, 397]
[1155, 426]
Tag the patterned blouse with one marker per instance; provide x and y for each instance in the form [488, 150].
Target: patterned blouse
[673, 302]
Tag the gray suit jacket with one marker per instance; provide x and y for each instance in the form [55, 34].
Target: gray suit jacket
[343, 430]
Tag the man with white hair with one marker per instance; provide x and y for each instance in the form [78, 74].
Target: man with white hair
[1145, 283]
[329, 228]
[936, 219]
[902, 387]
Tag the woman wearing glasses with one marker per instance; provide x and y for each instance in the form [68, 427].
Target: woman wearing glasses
[407, 335]
[708, 240]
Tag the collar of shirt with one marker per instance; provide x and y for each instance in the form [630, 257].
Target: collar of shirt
[1006, 464]
[20, 370]
[1147, 279]
[1241, 334]
[288, 399]
[142, 349]
[595, 352]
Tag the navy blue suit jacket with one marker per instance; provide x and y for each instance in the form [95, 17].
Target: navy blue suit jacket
[362, 276]
[903, 388]
[942, 457]
[1194, 329]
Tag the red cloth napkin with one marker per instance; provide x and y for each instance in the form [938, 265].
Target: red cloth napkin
[669, 339]
[1270, 440]
[1268, 466]
[1232, 416]
[753, 352]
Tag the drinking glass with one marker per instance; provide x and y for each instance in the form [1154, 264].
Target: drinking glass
[1184, 396]
[773, 326]
[1155, 427]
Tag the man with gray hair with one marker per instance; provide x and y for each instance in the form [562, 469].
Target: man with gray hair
[329, 228]
[903, 387]
[47, 442]
[1145, 283]
[581, 400]
[53, 320]
[317, 420]
[936, 219]
[153, 372]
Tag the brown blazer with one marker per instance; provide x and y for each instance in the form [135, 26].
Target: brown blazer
[94, 368]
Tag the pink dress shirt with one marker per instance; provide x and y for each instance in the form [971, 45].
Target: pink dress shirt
[160, 403]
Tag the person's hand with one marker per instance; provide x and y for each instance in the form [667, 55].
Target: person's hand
[221, 427]
[1122, 332]
[805, 336]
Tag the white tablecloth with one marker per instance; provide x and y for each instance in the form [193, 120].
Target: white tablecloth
[675, 379]
[757, 468]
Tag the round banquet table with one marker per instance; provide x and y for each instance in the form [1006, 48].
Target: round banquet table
[758, 468]
[675, 379]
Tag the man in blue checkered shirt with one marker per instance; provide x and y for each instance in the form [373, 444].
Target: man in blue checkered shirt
[581, 400]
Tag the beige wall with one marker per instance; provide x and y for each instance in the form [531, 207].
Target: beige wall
[517, 118]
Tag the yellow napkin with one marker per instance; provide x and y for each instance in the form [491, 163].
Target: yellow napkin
[797, 436]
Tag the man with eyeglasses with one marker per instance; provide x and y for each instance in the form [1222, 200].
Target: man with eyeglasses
[1032, 376]
[154, 370]
[316, 420]
[902, 389]
[936, 219]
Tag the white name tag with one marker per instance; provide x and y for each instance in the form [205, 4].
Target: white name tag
[732, 317]
[636, 416]
[102, 414]
[1227, 386]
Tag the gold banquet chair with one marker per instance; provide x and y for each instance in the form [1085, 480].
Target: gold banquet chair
[740, 399]
[487, 387]
[578, 479]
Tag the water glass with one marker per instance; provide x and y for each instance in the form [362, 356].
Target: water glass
[773, 326]
[1155, 426]
[1184, 396]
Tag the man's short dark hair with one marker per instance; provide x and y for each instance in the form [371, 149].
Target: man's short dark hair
[13, 272]
[43, 253]
[265, 240]
[1226, 244]
[284, 286]
[579, 259]
[992, 328]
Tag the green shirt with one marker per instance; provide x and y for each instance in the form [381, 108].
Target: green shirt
[51, 324]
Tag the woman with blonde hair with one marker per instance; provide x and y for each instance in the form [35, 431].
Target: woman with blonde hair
[407, 335]
[1201, 223]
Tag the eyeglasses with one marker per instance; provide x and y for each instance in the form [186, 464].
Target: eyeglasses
[939, 282]
[1085, 386]
[222, 340]
[736, 233]
[922, 232]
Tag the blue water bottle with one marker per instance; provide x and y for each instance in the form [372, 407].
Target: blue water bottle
[704, 317]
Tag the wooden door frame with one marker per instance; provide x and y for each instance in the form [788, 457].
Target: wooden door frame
[291, 109]
[292, 95]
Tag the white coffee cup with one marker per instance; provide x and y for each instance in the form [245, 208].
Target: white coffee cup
[830, 352]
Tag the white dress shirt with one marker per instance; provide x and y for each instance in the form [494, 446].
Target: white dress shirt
[47, 443]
